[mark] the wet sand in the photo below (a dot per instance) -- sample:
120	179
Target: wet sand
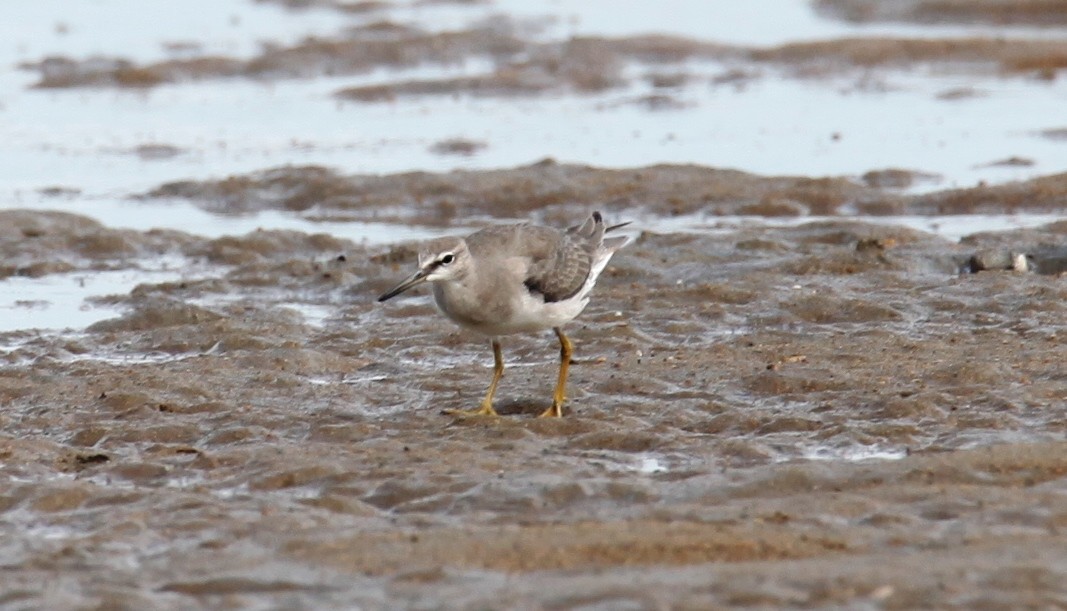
268	432
523	66
550	190
839	413
1047	13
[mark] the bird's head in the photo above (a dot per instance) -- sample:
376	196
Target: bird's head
441	260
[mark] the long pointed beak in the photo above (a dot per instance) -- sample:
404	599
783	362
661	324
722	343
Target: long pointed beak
413	280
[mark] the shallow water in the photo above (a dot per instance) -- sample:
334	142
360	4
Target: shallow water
86	139
786	392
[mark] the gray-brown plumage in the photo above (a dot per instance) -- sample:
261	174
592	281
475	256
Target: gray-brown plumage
516	278
562	272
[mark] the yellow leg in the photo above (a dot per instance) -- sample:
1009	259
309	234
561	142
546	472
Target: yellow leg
566	349
486	409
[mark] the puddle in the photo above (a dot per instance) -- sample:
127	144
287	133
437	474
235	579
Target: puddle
181	215
853	453
953	227
650	465
344	379
58	301
185	482
645	463
313	315
62	301
44	532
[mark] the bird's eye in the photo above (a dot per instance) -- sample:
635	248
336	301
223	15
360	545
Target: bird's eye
449	258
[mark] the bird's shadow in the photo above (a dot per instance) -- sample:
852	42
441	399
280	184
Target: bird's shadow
517	407
521	407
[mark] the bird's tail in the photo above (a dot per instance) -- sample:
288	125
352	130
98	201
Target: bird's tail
593	229
614	243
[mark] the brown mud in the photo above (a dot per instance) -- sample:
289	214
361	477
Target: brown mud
1049	13
522	66
551	189
215	446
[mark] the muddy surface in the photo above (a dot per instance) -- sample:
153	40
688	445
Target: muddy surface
834	413
522	65
993	12
837	413
550	189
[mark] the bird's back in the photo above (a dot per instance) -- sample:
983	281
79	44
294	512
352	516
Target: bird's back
520	240
558	264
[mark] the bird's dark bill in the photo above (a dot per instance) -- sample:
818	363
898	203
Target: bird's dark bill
415	279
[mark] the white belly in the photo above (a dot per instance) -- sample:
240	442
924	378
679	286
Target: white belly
530	314
518	312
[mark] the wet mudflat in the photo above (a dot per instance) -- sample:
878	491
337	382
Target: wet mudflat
828	413
782	395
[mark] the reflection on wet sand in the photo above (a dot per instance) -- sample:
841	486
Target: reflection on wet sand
832	377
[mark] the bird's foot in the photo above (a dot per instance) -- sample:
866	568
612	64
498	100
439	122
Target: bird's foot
556	411
485	410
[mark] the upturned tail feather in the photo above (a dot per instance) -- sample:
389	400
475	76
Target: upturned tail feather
613	244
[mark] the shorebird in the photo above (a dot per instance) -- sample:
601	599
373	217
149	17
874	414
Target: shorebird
518	278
